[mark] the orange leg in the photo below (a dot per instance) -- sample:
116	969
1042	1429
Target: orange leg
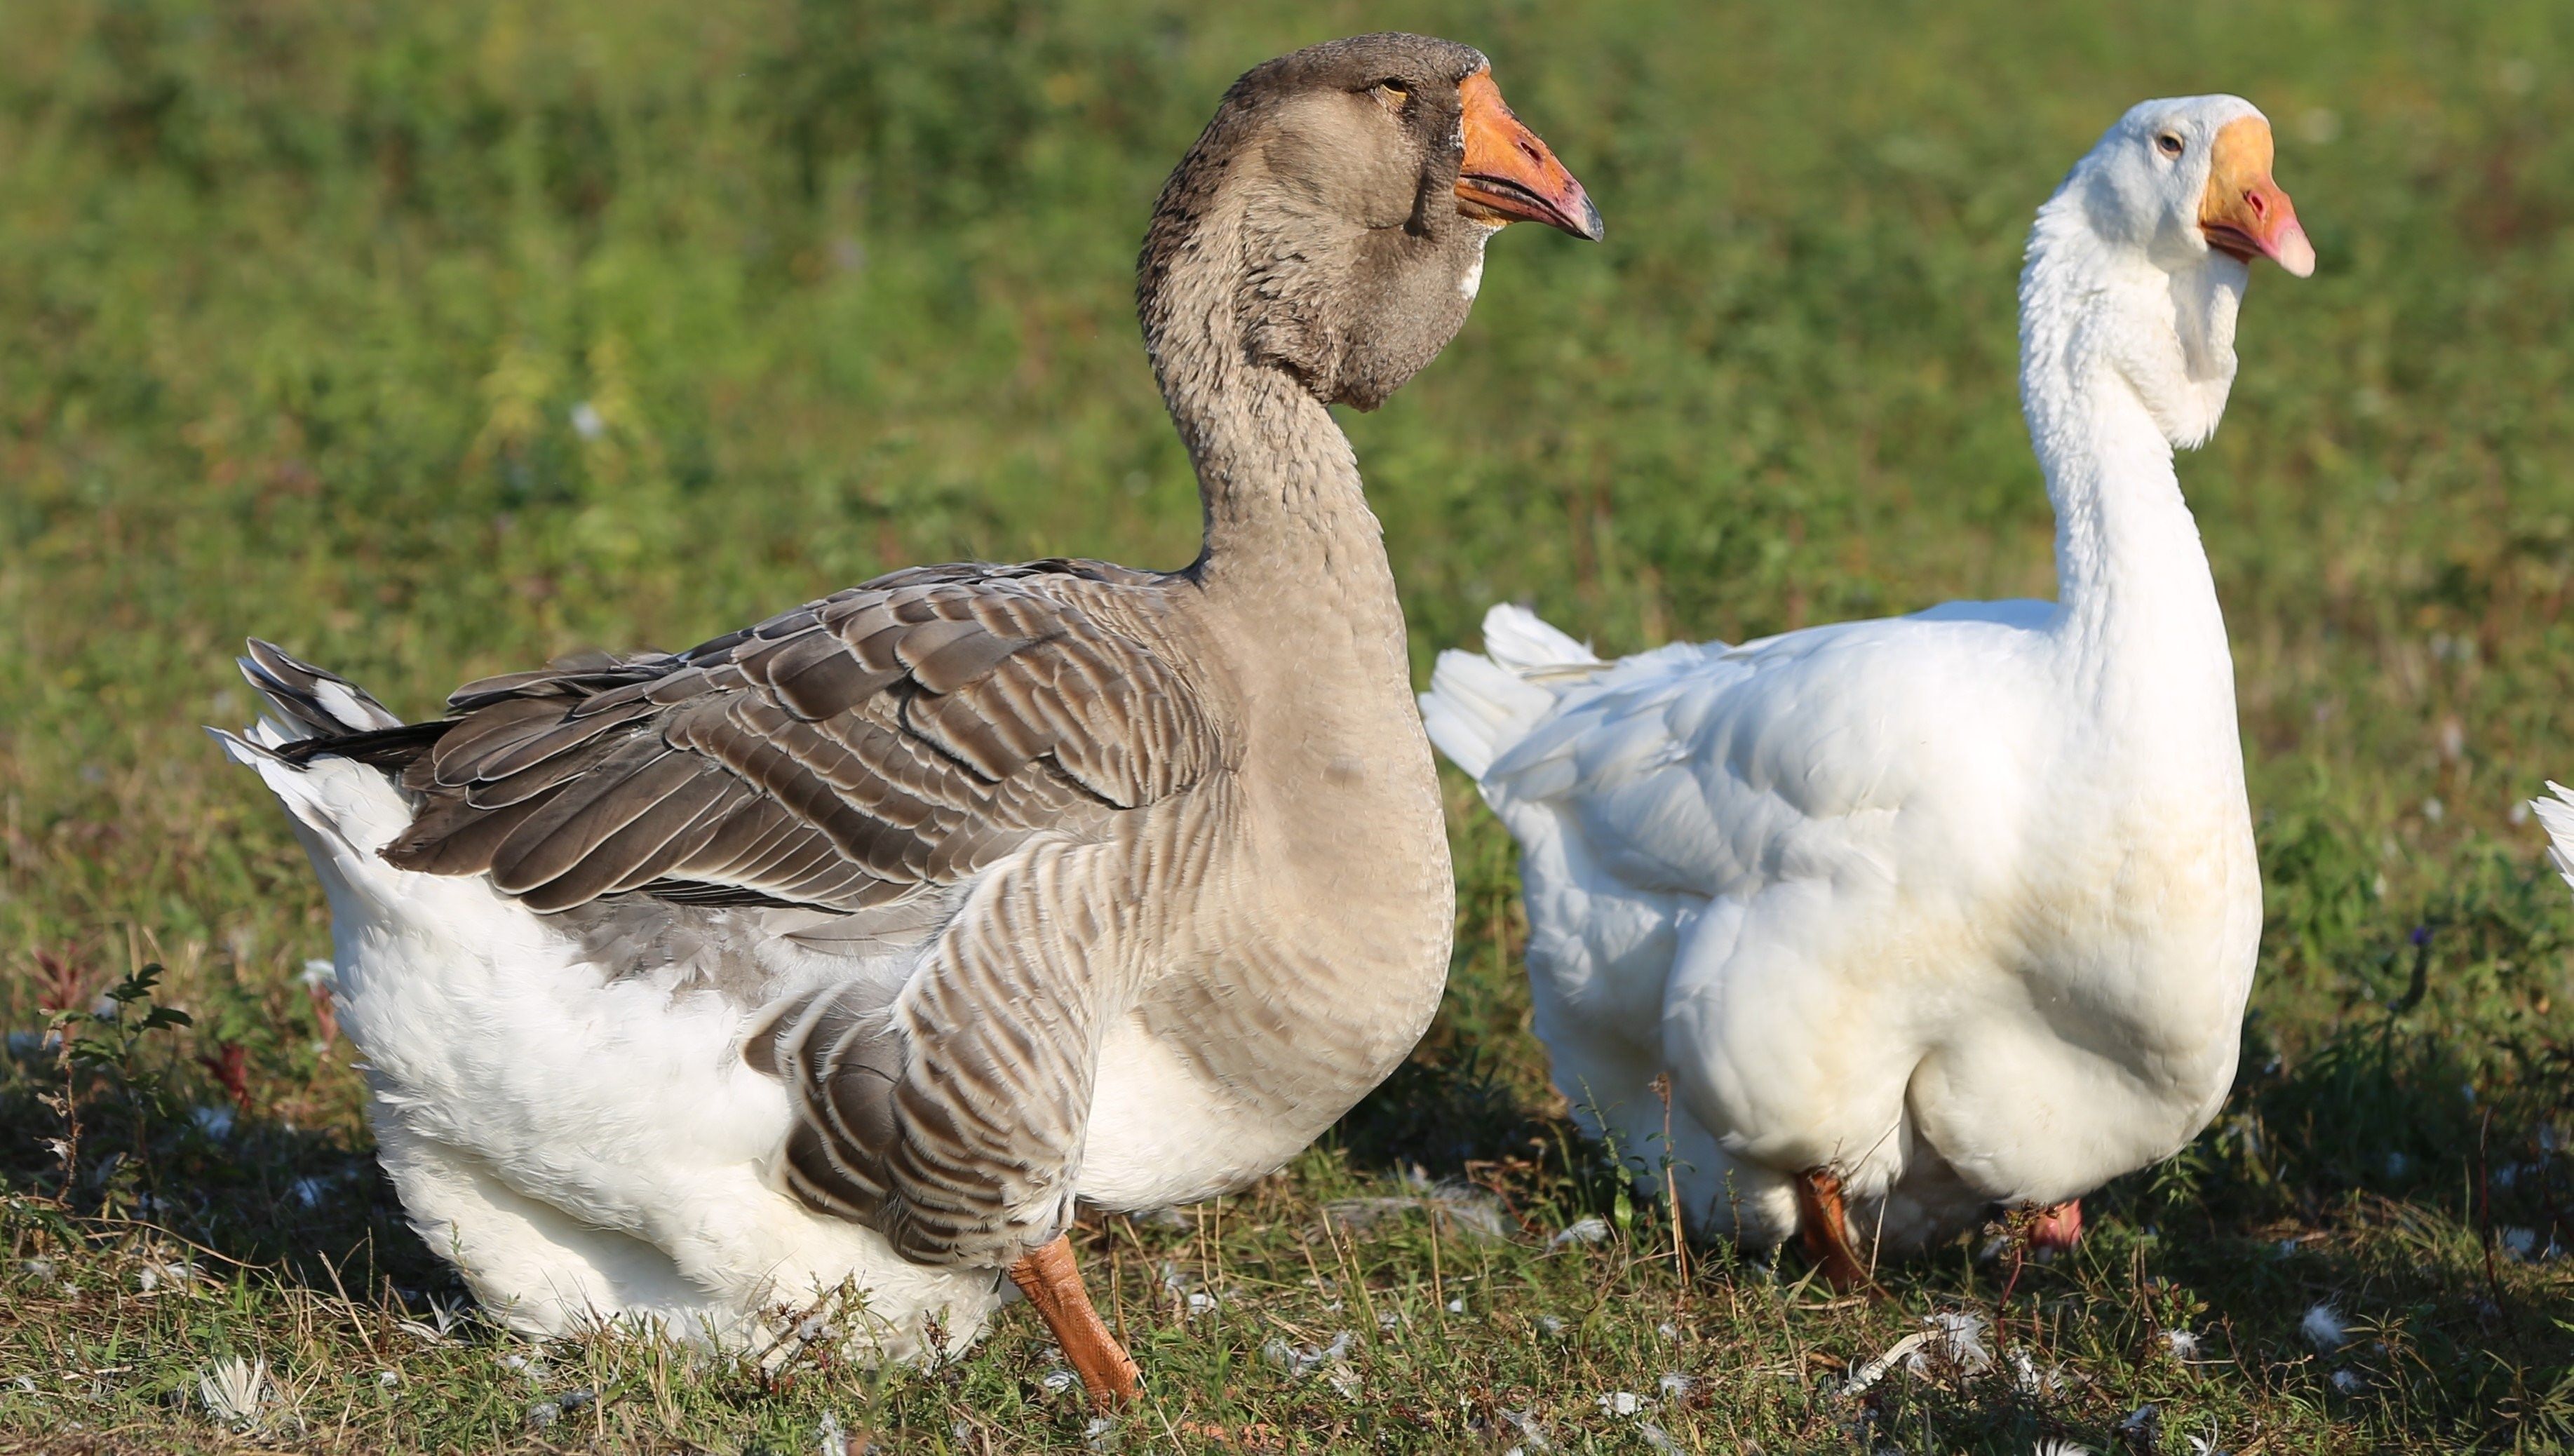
2057	1227
1824	1230
1052	1282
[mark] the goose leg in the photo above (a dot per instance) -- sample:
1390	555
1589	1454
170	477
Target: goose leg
2057	1227
1052	1282
1824	1231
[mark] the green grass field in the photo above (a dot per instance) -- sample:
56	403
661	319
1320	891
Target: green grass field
299	303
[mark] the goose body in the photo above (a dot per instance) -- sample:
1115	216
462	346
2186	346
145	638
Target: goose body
1951	909
843	953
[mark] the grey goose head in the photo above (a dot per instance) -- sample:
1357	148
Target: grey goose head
1359	181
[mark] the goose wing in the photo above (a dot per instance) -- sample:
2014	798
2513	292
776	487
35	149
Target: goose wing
844	755
844	762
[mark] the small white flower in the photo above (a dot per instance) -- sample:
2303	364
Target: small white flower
232	1390
2324	1328
1590	1229
1621	1402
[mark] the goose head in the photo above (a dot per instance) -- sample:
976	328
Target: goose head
1337	209
2152	237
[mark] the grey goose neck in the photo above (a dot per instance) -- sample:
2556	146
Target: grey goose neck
1309	250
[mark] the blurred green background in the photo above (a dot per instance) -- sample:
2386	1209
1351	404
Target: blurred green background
431	341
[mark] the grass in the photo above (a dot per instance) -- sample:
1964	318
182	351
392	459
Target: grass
301	301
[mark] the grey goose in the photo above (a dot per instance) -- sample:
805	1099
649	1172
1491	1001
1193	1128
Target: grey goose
845	952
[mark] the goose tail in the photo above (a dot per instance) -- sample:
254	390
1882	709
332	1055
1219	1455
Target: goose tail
343	810
312	701
2556	813
1481	704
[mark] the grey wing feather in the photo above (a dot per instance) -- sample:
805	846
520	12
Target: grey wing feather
897	735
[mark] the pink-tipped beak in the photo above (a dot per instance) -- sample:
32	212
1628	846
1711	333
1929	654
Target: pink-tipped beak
2245	214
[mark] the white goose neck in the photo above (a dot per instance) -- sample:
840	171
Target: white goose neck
2121	360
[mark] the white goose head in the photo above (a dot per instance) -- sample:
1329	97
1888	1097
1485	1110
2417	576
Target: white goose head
2188	183
2146	243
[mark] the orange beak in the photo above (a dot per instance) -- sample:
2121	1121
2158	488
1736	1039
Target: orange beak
2245	214
1509	174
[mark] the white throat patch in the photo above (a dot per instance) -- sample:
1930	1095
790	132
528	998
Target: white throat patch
1474	278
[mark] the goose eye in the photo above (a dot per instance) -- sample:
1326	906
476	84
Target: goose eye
2170	143
1393	88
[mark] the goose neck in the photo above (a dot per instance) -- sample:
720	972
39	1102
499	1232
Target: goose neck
1285	513
2106	373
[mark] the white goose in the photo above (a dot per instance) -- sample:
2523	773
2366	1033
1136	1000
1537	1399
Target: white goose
1944	910
2556	815
850	948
